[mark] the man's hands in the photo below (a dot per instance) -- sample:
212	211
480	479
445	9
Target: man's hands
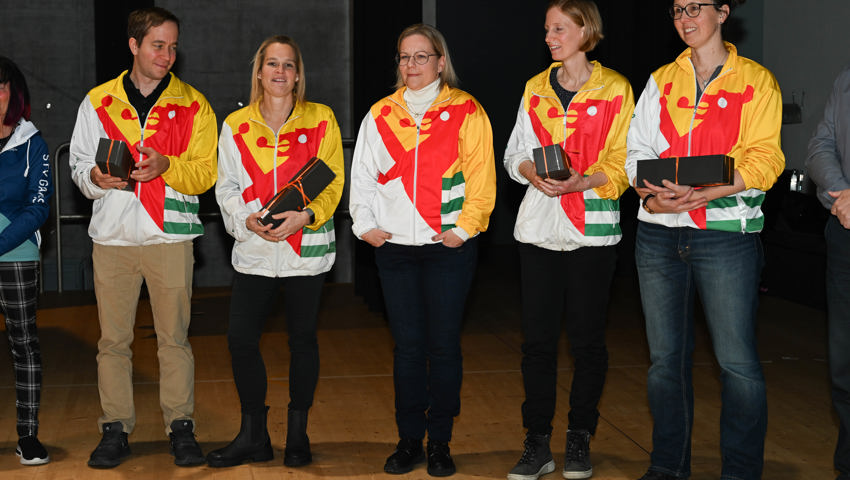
105	181
841	206
152	166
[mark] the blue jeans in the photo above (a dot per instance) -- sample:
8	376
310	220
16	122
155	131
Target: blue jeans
838	316
425	290
673	265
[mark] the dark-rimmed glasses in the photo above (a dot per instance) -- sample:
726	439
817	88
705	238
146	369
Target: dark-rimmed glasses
419	58
692	10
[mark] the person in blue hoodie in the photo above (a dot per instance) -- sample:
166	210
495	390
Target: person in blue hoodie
25	189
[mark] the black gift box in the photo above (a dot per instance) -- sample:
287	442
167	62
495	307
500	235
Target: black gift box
699	171
113	157
304	186
551	162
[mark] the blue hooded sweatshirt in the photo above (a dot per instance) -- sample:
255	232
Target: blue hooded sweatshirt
26	185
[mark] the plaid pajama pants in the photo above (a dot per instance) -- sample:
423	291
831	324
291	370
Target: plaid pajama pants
18	296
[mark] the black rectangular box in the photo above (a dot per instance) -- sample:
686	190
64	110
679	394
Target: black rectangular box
551	162
114	158
304	186
698	171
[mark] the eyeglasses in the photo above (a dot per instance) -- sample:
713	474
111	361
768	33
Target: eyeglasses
691	9
419	58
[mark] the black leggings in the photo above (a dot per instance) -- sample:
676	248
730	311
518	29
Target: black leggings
252	300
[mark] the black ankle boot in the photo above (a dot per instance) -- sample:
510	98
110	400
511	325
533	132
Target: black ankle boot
251	445
297	451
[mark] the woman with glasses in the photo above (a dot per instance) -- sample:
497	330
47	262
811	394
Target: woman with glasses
262	146
709	101
26	184
567	230
423	184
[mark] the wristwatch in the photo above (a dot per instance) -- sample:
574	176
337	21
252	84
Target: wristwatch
313	215
645	206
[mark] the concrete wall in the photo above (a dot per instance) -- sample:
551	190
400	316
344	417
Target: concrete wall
805	47
53	43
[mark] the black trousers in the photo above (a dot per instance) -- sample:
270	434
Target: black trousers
252	300
575	285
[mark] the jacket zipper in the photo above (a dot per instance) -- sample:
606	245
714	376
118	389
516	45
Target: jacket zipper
696	103
564	143
416	159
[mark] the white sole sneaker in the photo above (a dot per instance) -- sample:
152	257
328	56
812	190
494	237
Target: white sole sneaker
31	461
547	468
577	475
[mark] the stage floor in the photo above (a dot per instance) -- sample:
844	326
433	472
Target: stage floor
352	427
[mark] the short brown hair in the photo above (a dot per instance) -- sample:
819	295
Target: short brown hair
585	14
438	42
300	89
143	19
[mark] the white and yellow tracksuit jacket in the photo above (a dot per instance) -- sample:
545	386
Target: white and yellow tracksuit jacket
739	114
592	131
255	163
182	127
417	181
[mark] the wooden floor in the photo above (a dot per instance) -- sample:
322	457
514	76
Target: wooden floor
351	424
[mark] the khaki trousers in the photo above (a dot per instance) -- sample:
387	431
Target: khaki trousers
166	269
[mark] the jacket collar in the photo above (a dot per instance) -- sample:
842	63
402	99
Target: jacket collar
541	85
684	59
115	88
255	115
446	93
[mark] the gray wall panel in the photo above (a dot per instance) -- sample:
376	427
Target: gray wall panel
53	42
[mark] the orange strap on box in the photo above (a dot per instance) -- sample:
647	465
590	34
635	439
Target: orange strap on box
676	175
296	183
108	156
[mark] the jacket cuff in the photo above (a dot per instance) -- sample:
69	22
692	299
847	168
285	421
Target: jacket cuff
461	233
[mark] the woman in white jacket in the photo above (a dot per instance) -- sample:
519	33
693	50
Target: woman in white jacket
567	231
423	186
261	147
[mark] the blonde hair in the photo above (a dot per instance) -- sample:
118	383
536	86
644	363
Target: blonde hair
585	14
260	58
438	42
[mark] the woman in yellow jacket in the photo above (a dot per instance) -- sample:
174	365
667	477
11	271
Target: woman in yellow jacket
261	147
568	230
709	101
423	184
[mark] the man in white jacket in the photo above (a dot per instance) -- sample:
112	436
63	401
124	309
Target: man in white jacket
146	234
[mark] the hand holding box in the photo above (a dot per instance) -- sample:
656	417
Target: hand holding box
113	157
302	189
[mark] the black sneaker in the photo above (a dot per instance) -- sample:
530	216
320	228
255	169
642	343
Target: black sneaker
112	449
653	475
183	446
31	451
577	457
440	463
408	453
536	459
